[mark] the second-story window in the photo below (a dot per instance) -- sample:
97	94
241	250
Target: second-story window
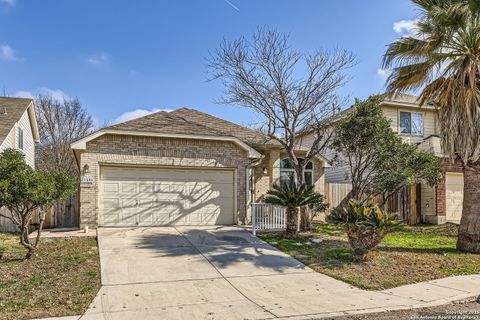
411	123
20	139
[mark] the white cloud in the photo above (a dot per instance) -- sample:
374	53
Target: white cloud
56	94
405	28
98	58
10	3
384	73
7	53
137	113
24	94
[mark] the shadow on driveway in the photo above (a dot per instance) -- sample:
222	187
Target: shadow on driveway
232	251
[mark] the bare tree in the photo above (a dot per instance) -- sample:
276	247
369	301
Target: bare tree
60	123
292	91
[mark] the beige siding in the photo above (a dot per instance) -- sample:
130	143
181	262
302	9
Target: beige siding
428	204
9	141
338	173
429	121
28	143
334	174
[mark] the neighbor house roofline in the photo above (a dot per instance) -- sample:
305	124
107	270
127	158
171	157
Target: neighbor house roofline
82	143
385	102
33	122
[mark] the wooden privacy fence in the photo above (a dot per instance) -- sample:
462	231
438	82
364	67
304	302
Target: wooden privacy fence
64	214
337	193
405	202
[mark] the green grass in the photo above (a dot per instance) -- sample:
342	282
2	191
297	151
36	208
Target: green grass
61	279
413	254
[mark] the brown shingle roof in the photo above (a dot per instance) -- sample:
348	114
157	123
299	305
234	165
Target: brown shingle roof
194	122
11	110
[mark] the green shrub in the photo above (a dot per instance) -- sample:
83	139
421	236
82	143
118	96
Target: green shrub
365	223
293	196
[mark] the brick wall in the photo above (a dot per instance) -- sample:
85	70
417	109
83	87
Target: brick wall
262	179
155	151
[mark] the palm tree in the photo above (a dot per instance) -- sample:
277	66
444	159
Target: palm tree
443	62
293	196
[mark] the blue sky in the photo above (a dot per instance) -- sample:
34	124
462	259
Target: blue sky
119	57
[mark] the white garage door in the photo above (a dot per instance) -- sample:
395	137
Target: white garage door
454	196
134	196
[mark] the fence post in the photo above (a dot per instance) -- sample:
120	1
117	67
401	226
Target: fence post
299	214
253	220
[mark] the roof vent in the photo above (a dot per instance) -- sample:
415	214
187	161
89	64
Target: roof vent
5	111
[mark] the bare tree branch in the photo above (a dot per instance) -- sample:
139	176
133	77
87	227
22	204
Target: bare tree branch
293	92
60	123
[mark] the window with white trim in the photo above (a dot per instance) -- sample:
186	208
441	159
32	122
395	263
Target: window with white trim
411	123
20	139
287	173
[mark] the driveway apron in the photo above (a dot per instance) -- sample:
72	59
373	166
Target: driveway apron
223	273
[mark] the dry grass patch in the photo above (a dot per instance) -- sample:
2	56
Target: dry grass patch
418	253
61	279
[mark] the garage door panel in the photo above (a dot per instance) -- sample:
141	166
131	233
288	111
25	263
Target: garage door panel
110	187
145	219
128	218
454	196
110	203
162	187
149	196
145	187
129	187
110	219
147	202
129	203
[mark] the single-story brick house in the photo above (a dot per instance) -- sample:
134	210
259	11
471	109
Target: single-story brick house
182	167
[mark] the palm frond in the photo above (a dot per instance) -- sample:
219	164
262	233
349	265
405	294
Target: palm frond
444	62
292	195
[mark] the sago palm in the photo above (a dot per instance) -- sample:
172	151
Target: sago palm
442	61
293	196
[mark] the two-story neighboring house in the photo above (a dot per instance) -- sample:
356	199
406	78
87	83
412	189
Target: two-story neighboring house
18	127
18	130
417	125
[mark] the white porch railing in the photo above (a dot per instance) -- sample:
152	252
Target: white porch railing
268	217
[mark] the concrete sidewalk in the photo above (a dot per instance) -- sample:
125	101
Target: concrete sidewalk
226	273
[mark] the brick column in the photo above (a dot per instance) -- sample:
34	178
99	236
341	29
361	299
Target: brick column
275	167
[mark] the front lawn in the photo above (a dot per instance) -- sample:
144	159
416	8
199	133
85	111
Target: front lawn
414	254
61	279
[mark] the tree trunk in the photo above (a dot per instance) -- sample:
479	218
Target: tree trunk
40	227
25	241
305	219
469	231
292	217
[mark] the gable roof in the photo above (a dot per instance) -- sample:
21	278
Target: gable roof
11	110
396	99
193	122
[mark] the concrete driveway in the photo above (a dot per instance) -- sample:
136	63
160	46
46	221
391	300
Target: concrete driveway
226	273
